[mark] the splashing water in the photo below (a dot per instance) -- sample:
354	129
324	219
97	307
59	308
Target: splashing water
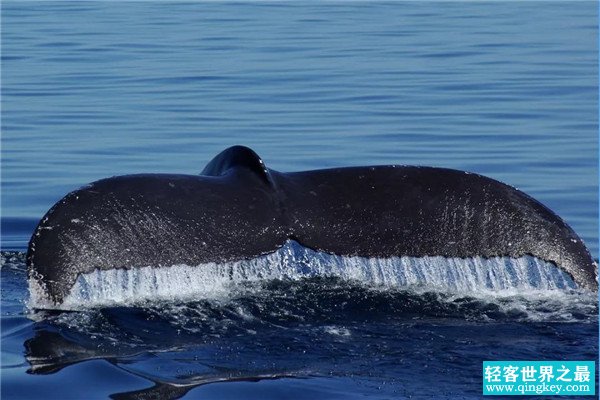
293	262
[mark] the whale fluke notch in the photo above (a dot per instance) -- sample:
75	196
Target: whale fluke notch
227	214
237	157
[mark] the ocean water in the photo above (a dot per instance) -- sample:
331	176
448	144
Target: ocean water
96	89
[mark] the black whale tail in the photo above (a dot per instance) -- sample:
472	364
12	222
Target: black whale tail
236	157
239	209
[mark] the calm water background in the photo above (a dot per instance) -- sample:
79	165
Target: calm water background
93	89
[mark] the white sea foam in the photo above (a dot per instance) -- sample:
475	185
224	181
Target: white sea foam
294	262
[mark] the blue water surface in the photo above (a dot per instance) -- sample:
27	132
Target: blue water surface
96	89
